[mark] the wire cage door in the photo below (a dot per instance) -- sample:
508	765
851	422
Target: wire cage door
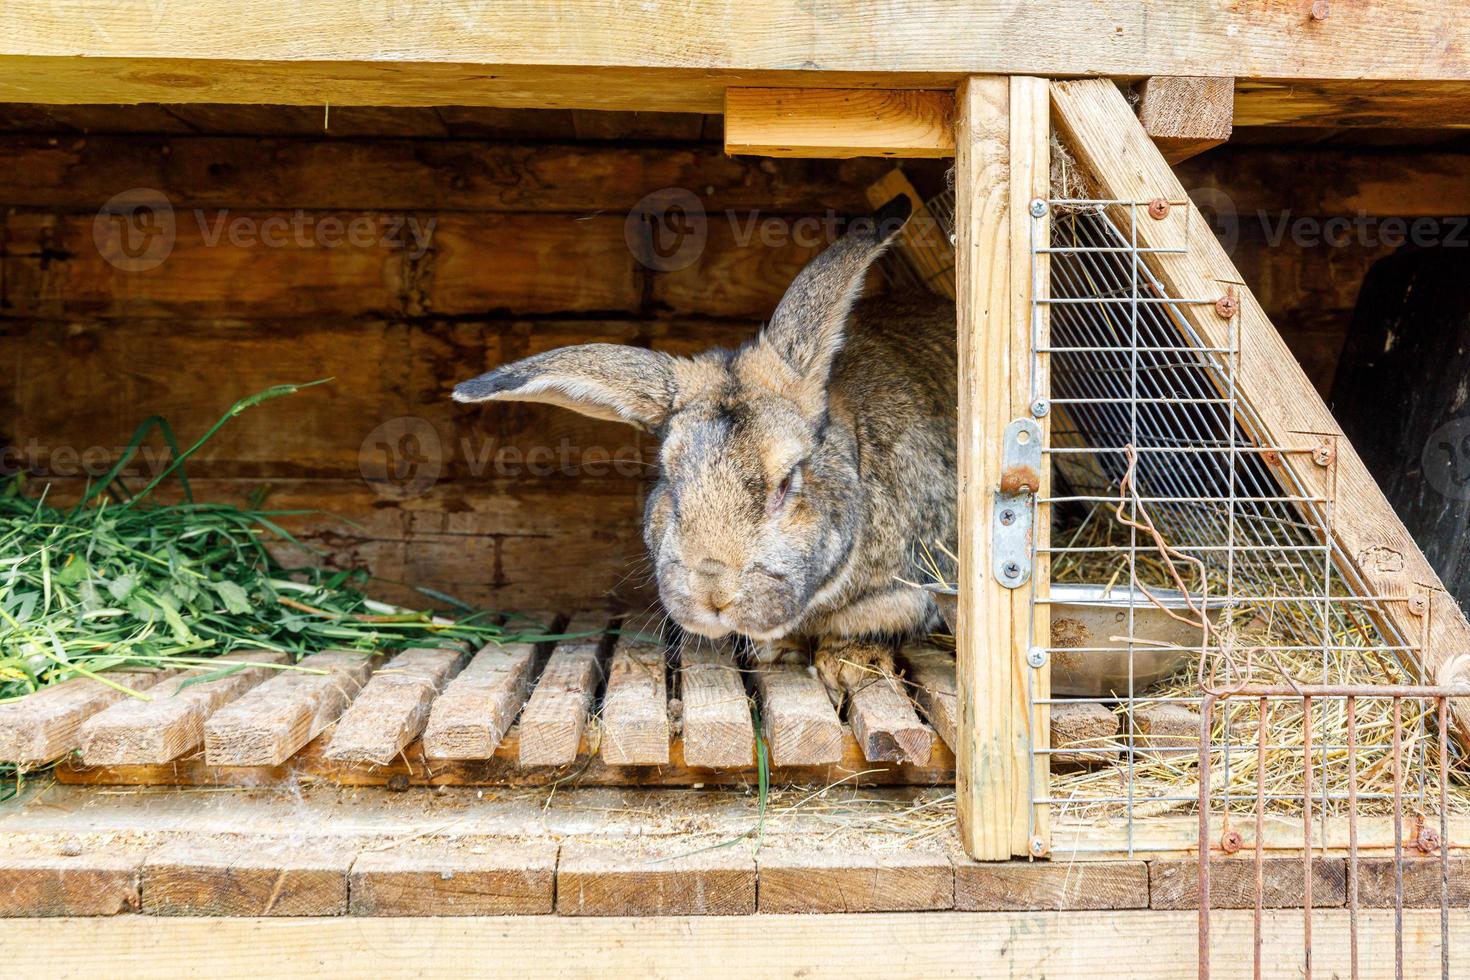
1251	691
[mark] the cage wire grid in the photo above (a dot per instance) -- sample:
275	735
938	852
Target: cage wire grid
1149	431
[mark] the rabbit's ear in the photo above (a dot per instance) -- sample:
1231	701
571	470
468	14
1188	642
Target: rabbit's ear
605	381
808	325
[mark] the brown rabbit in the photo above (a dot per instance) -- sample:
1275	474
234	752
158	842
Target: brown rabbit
800	474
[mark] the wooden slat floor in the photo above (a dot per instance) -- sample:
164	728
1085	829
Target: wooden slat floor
616	708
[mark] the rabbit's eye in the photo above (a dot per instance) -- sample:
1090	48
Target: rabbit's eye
791	484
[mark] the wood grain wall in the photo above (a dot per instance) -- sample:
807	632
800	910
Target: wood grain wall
531	508
527	253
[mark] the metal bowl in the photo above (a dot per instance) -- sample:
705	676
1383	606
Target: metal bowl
1094	619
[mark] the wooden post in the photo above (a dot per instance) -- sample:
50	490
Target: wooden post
1186	114
1000	166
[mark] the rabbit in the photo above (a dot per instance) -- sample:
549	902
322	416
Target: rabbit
799	474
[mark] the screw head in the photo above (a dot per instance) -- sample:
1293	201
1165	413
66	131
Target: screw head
1038	208
1227	306
1007	517
1158	209
1038	846
1036	657
1418	605
1040	407
1321	10
1322	455
1231	842
1427	840
1011	570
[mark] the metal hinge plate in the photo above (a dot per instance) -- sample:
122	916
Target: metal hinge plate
1014	513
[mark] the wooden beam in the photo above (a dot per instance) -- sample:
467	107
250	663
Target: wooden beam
1001	166
393	707
982	634
1382	102
801	726
931	671
605	54
477	708
718	731
249	877
1186	114
990	886
884	722
1108	140
669	877
554	719
272	722
456	877
923	242
804	879
411	768
45	725
635	710
881	944
171	722
838	123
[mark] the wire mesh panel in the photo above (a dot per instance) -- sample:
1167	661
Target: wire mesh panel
1184	558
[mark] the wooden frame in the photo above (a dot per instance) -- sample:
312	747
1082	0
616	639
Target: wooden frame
607	55
1001	165
854	944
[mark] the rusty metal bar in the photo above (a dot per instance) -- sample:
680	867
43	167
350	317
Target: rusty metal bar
1398	839
1307	833
1206	714
1264	706
1443	719
1352	865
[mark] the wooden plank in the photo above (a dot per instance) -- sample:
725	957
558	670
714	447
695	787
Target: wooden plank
884	721
1421	882
1064	944
1186	114
249	876
1107	139
635	712
69	880
326	263
1088	730
838	123
630	877
982	651
931	674
476	709
587	768
810	880
1030	180
718	731
458	877
605	55
45	725
990	886
1375	103
137	732
393	706
799	722
1175	884
923	242
270	723
252	173
555	717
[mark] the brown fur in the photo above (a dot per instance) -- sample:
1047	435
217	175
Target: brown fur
850	408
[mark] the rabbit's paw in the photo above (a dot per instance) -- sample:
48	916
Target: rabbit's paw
846	665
